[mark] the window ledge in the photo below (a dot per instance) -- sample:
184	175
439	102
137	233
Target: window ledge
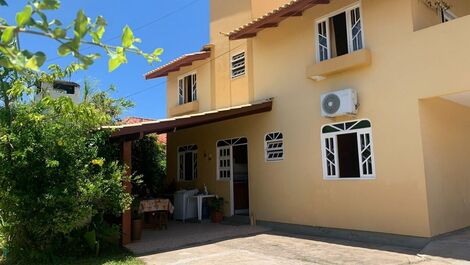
323	70
184	109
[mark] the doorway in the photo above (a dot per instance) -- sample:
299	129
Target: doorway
232	157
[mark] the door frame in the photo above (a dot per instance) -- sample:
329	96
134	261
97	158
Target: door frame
230	146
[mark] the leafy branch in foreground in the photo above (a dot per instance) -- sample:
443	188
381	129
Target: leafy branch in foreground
70	38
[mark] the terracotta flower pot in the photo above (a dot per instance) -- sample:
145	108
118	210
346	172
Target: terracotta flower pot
217	217
136	229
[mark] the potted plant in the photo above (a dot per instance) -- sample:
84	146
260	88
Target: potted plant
137	221
216	206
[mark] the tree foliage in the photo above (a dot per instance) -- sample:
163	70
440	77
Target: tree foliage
149	161
58	172
70	38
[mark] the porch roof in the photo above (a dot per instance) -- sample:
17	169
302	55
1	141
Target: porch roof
188	121
273	18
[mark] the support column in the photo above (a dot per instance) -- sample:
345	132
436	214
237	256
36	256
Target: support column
126	215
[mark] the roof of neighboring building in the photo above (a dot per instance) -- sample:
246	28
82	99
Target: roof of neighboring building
134	120
175	65
273	18
161	138
137	130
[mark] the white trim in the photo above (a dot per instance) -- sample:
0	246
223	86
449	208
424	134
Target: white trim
230	180
282	149
332	136
181	78
178	168
347	10
447	14
244	65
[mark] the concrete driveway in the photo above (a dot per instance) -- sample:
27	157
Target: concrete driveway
277	248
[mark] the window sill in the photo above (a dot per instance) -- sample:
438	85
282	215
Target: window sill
346	179
323	70
184	109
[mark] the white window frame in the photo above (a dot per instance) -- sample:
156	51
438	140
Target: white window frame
181	175
447	15
230	143
182	91
329	143
277	137
325	19
234	60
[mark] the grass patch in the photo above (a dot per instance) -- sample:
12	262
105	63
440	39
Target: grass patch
111	257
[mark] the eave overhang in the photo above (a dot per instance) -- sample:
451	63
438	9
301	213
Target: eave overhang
136	131
273	18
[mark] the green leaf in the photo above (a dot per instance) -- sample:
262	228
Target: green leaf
81	24
49	5
157	52
55	22
3	3
127	37
64	49
115	60
8	35
23	17
59	33
36	61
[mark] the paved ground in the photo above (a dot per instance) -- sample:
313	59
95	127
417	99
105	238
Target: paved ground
275	248
188	234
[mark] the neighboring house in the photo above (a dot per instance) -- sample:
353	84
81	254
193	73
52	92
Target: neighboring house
256	115
60	89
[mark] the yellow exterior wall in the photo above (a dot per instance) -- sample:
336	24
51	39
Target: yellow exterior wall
407	65
446	128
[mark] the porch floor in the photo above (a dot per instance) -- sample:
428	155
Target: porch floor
181	235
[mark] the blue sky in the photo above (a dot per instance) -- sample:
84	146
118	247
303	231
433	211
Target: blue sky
177	26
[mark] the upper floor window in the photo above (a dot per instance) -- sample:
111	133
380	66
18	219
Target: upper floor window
187	163
347	150
187	89
238	65
447	15
274	146
340	33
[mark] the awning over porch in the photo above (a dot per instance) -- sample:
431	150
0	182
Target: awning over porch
188	121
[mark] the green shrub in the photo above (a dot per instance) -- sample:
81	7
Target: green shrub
54	177
149	161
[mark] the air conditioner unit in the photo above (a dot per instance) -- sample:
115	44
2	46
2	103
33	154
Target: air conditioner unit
339	103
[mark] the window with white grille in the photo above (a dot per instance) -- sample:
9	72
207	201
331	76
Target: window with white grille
187	89
187	163
339	33
347	150
274	146
447	15
225	156
238	65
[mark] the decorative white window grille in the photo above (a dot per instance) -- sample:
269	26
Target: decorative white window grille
274	146
447	15
187	163
187	89
323	41
238	65
224	156
339	33
347	150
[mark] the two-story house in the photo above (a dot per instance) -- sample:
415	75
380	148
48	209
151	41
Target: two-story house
257	115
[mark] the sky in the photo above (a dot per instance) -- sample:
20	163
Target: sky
177	26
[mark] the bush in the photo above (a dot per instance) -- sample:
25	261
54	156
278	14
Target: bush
54	177
149	161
